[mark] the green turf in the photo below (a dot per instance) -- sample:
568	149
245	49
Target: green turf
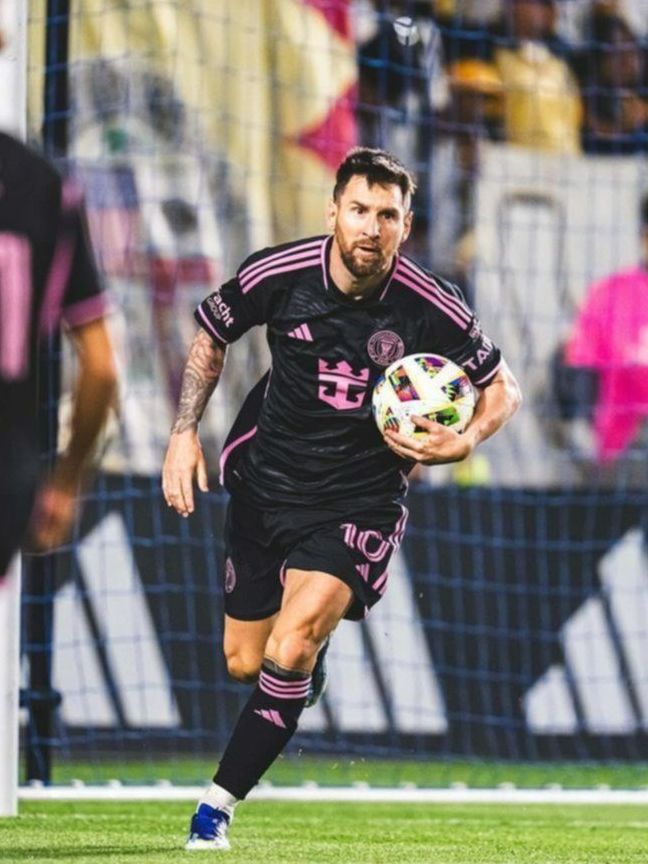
294	770
282	833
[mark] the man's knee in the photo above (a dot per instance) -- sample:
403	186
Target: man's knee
243	667
295	649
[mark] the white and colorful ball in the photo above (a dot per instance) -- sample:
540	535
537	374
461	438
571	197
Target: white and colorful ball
427	385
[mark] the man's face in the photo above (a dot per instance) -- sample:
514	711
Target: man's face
369	224
621	64
531	19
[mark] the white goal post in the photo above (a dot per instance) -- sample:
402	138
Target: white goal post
13	119
9	687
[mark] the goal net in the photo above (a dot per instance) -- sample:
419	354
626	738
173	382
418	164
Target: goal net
514	628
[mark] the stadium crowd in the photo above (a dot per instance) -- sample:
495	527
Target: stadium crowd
436	78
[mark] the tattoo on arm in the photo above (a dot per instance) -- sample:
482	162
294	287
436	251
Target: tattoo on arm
201	374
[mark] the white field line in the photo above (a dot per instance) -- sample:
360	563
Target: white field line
312	792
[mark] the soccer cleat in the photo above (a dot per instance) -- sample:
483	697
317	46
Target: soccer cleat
319	677
208	830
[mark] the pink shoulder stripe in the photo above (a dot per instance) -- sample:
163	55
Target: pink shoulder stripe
282	268
251	269
428	282
285	259
433	298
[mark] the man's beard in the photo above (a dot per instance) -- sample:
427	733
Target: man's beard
357	268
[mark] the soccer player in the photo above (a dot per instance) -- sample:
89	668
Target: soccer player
316	493
47	277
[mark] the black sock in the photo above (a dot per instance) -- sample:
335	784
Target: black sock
266	724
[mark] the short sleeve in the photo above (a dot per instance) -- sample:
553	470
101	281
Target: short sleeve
238	305
478	355
84	299
462	339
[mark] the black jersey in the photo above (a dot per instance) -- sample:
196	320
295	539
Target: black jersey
46	272
309	430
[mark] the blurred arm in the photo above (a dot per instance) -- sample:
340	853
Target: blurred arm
94	392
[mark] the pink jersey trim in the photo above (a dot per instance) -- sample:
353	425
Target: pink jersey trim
426	281
487	377
323	261
226	452
285	268
253	269
85	311
209	326
391	277
56	283
15	305
425	292
283	259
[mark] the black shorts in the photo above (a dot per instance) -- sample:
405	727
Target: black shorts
353	543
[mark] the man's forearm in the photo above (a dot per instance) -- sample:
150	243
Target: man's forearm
94	392
497	404
204	366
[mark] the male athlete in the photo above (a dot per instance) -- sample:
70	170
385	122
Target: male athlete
47	277
316	492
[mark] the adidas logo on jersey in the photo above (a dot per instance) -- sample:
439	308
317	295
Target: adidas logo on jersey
302	332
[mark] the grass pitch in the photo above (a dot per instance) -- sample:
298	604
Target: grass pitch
343	770
289	833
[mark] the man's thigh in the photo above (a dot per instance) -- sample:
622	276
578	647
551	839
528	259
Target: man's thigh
313	604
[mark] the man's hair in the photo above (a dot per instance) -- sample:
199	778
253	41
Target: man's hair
378	166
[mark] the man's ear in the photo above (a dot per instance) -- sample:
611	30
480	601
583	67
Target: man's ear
331	214
409	216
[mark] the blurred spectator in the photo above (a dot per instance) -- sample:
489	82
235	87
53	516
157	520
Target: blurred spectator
474	113
613	84
466	26
607	354
542	107
401	85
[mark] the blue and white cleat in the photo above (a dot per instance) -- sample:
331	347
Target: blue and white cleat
319	676
208	830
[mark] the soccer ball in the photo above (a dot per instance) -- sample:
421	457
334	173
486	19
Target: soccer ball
428	385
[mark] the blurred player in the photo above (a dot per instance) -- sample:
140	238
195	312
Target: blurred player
607	353
47	277
316	494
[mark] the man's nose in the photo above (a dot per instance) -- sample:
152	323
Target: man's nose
371	226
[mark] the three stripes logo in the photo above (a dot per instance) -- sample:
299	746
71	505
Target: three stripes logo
271	716
302	332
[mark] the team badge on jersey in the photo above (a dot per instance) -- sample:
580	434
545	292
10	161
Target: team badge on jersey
384	347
